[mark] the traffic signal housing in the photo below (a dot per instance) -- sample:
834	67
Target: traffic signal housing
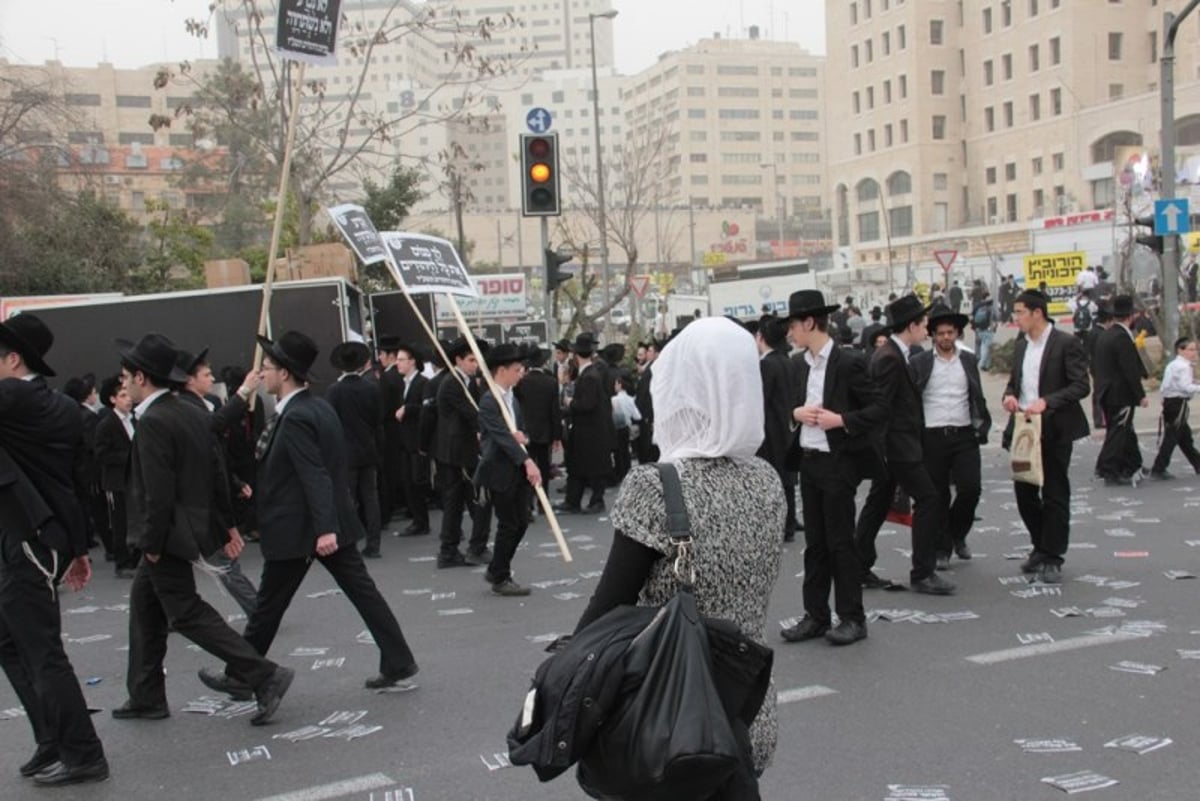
1150	240
555	276
539	176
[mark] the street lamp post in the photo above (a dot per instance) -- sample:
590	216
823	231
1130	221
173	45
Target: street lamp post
599	158
778	196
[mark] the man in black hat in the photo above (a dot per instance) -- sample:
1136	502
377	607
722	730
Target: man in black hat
43	541
776	371
866	340
414	466
538	394
391	494
647	451
427	429
114	439
593	434
956	424
1103	322
1049	377
173	470
838	411
307	514
359	406
505	469
1119	373
903	452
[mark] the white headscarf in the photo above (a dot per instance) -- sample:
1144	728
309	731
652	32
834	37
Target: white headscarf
707	393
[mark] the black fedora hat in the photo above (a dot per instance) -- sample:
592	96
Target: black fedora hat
294	352
31	338
348	357
809	303
941	313
585	344
1122	306
154	355
535	356
613	352
504	354
388	344
563	345
904	311
188	363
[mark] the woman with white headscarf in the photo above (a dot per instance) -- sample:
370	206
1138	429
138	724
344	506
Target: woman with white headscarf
708	410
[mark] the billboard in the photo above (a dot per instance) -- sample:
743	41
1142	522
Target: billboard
1058	272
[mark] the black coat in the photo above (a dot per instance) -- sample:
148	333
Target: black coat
112	446
538	394
303	482
642	398
240	429
1062	382
90	471
174	474
359	406
41	433
457	427
228	484
921	367
413	403
500	457
392	385
427	431
851	393
593	435
777	384
1118	369
906	411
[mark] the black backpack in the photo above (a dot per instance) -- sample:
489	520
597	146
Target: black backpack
1082	319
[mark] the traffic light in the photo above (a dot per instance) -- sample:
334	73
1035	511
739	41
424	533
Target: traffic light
1150	240
554	276
539	175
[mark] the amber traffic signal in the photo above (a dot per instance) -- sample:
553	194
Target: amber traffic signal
539	175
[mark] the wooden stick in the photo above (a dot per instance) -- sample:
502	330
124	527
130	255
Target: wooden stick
276	232
540	489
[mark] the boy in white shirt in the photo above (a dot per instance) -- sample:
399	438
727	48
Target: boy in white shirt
1178	387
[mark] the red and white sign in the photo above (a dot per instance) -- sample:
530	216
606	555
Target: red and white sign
946	259
1083	218
500	297
639	284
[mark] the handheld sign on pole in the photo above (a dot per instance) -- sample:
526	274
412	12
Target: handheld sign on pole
306	30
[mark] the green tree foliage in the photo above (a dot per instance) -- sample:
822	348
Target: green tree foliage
388	205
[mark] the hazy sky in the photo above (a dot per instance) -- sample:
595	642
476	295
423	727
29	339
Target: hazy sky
134	33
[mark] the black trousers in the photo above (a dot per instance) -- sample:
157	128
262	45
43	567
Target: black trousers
280	580
163	597
33	658
97	512
512	519
540	453
622	460
364	486
1046	510
391	493
1119	456
457	496
414	481
927	525
829	554
789	495
577	484
125	557
1176	431
952	457
647	451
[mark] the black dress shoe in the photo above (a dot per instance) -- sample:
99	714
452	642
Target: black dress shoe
413	531
934	585
371	553
61	775
43	757
871	581
566	509
454	560
789	536
846	632
509	589
477	558
1049	573
1032	564
807	629
383	681
222	682
130	711
595	507
270	694
962	550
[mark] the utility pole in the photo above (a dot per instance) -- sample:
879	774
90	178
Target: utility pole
1170	255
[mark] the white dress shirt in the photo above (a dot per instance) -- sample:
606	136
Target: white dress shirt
141	408
1031	368
286	399
904	349
947	397
1178	379
814	437
126	421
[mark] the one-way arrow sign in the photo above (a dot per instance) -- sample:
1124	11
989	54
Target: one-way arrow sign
1171	217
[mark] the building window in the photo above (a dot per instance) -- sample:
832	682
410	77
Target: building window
887	91
870	97
1010	207
901	40
1037	165
935	31
868	51
854	101
903	132
697	136
133	101
1115	91
82	100
1039	203
1035	107
941	181
736	69
899	183
1010	171
939	126
1055	51
698	158
900	221
992	209
987	20
867	190
696	114
903	87
871	141
989	119
1033	8
989	73
854	13
1008	114
1005	14
868	227
1058	161
937	82
887	135
990	175
885	42
853	55
135	138
1114	46
858	144
1035	60
1056	102
1006	66
695	91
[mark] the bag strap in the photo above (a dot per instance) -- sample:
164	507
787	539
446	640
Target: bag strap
679	526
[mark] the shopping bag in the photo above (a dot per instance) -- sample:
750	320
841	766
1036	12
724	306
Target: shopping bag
901	509
1027	449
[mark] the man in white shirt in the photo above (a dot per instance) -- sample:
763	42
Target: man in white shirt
1178	387
956	423
1087	280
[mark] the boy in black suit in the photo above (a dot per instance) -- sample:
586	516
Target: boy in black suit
114	439
414	466
359	405
538	394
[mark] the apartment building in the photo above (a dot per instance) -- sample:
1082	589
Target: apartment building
990	115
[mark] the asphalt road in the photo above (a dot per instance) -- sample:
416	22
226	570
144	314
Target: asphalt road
920	704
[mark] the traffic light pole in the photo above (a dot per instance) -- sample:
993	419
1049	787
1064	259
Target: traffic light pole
548	294
1170	255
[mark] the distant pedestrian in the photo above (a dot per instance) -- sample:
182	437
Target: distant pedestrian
1119	374
1178	387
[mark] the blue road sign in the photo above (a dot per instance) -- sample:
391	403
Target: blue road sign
1172	217
539	120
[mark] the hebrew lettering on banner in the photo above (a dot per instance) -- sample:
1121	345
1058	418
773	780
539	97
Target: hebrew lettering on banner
306	30
1058	271
359	232
427	264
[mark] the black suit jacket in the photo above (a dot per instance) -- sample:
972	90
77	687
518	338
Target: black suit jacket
641	396
174	479
906	411
391	383
457	441
538	394
1062	382
776	370
850	392
112	446
500	457
921	367
303	482
41	434
359	405
427	432
413	403
593	434
1118	369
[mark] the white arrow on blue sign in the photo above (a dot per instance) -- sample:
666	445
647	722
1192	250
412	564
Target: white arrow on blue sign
539	120
1172	217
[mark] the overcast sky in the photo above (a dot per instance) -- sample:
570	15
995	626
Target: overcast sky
134	33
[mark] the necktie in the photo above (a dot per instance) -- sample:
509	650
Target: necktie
264	439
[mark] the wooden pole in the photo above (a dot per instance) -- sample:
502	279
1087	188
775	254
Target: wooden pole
280	206
540	489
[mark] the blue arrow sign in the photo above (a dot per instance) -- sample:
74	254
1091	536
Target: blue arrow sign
1172	217
539	120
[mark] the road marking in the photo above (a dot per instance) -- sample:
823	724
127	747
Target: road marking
804	693
1038	649
373	781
